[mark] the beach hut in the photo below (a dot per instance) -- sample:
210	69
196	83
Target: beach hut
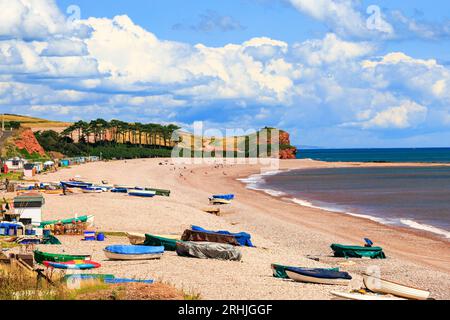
29	170
15	163
29	206
64	163
48	165
39	166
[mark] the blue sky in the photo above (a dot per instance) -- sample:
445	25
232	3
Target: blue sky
334	73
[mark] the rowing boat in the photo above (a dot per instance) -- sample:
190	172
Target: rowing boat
208	250
202	236
224	196
88	219
345	251
75	184
168	242
40	257
130	252
378	285
92	190
279	270
320	276
142	193
159	192
136	238
363	296
72	265
219	201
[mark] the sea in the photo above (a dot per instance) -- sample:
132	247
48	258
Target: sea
411	196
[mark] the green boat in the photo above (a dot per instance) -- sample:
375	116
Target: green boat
40	257
89	219
344	251
159	192
279	271
168	244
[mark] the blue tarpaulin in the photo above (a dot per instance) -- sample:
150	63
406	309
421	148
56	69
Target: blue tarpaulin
243	238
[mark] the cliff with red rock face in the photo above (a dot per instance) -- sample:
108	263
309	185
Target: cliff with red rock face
25	140
287	151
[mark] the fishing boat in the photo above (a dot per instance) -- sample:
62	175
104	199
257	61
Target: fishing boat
224	196
363	296
320	276
88	219
141	193
168	242
378	285
72	265
279	270
136	238
208	250
219	201
76	184
345	251
92	190
40	257
130	252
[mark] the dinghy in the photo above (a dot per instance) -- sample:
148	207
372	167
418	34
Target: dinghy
72	265
363	296
378	285
159	192
243	238
219	201
168	242
40	257
224	196
76	184
119	190
320	276
208	250
279	270
88	219
201	236
130	252
92	190
345	251
142	193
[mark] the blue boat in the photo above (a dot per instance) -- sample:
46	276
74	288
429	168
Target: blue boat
243	238
321	276
224	196
75	184
119	281
119	190
131	252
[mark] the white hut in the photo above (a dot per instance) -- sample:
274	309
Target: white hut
29	206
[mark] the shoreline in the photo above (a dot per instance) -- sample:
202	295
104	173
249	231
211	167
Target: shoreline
253	182
283	232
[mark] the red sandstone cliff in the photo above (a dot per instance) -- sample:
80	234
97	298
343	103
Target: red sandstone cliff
26	140
287	151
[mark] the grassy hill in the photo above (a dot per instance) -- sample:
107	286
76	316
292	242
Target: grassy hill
32	122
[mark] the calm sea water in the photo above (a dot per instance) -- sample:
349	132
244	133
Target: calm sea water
429	155
416	197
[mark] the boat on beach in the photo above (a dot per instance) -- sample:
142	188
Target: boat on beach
346	251
379	285
136	238
132	252
168	242
40	257
202	236
72	265
279	270
88	219
208	250
215	201
224	196
141	193
319	276
76	184
363	296
92	190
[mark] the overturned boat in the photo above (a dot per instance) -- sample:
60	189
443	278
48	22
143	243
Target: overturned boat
319	276
208	250
379	285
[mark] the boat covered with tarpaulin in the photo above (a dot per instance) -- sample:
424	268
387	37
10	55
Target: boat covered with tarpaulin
243	238
208	250
224	196
132	252
202	236
345	251
169	244
320	276
88	219
279	270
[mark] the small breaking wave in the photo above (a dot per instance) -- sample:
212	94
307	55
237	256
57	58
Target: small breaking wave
425	227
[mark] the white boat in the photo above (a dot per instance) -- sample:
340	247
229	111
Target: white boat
121	256
313	276
378	285
361	296
219	201
92	190
142	193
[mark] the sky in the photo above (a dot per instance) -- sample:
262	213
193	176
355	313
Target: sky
333	73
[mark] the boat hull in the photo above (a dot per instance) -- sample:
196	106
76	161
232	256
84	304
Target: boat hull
142	194
308	279
121	256
136	238
360	296
379	285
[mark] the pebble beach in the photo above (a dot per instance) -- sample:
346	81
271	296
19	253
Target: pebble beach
283	232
